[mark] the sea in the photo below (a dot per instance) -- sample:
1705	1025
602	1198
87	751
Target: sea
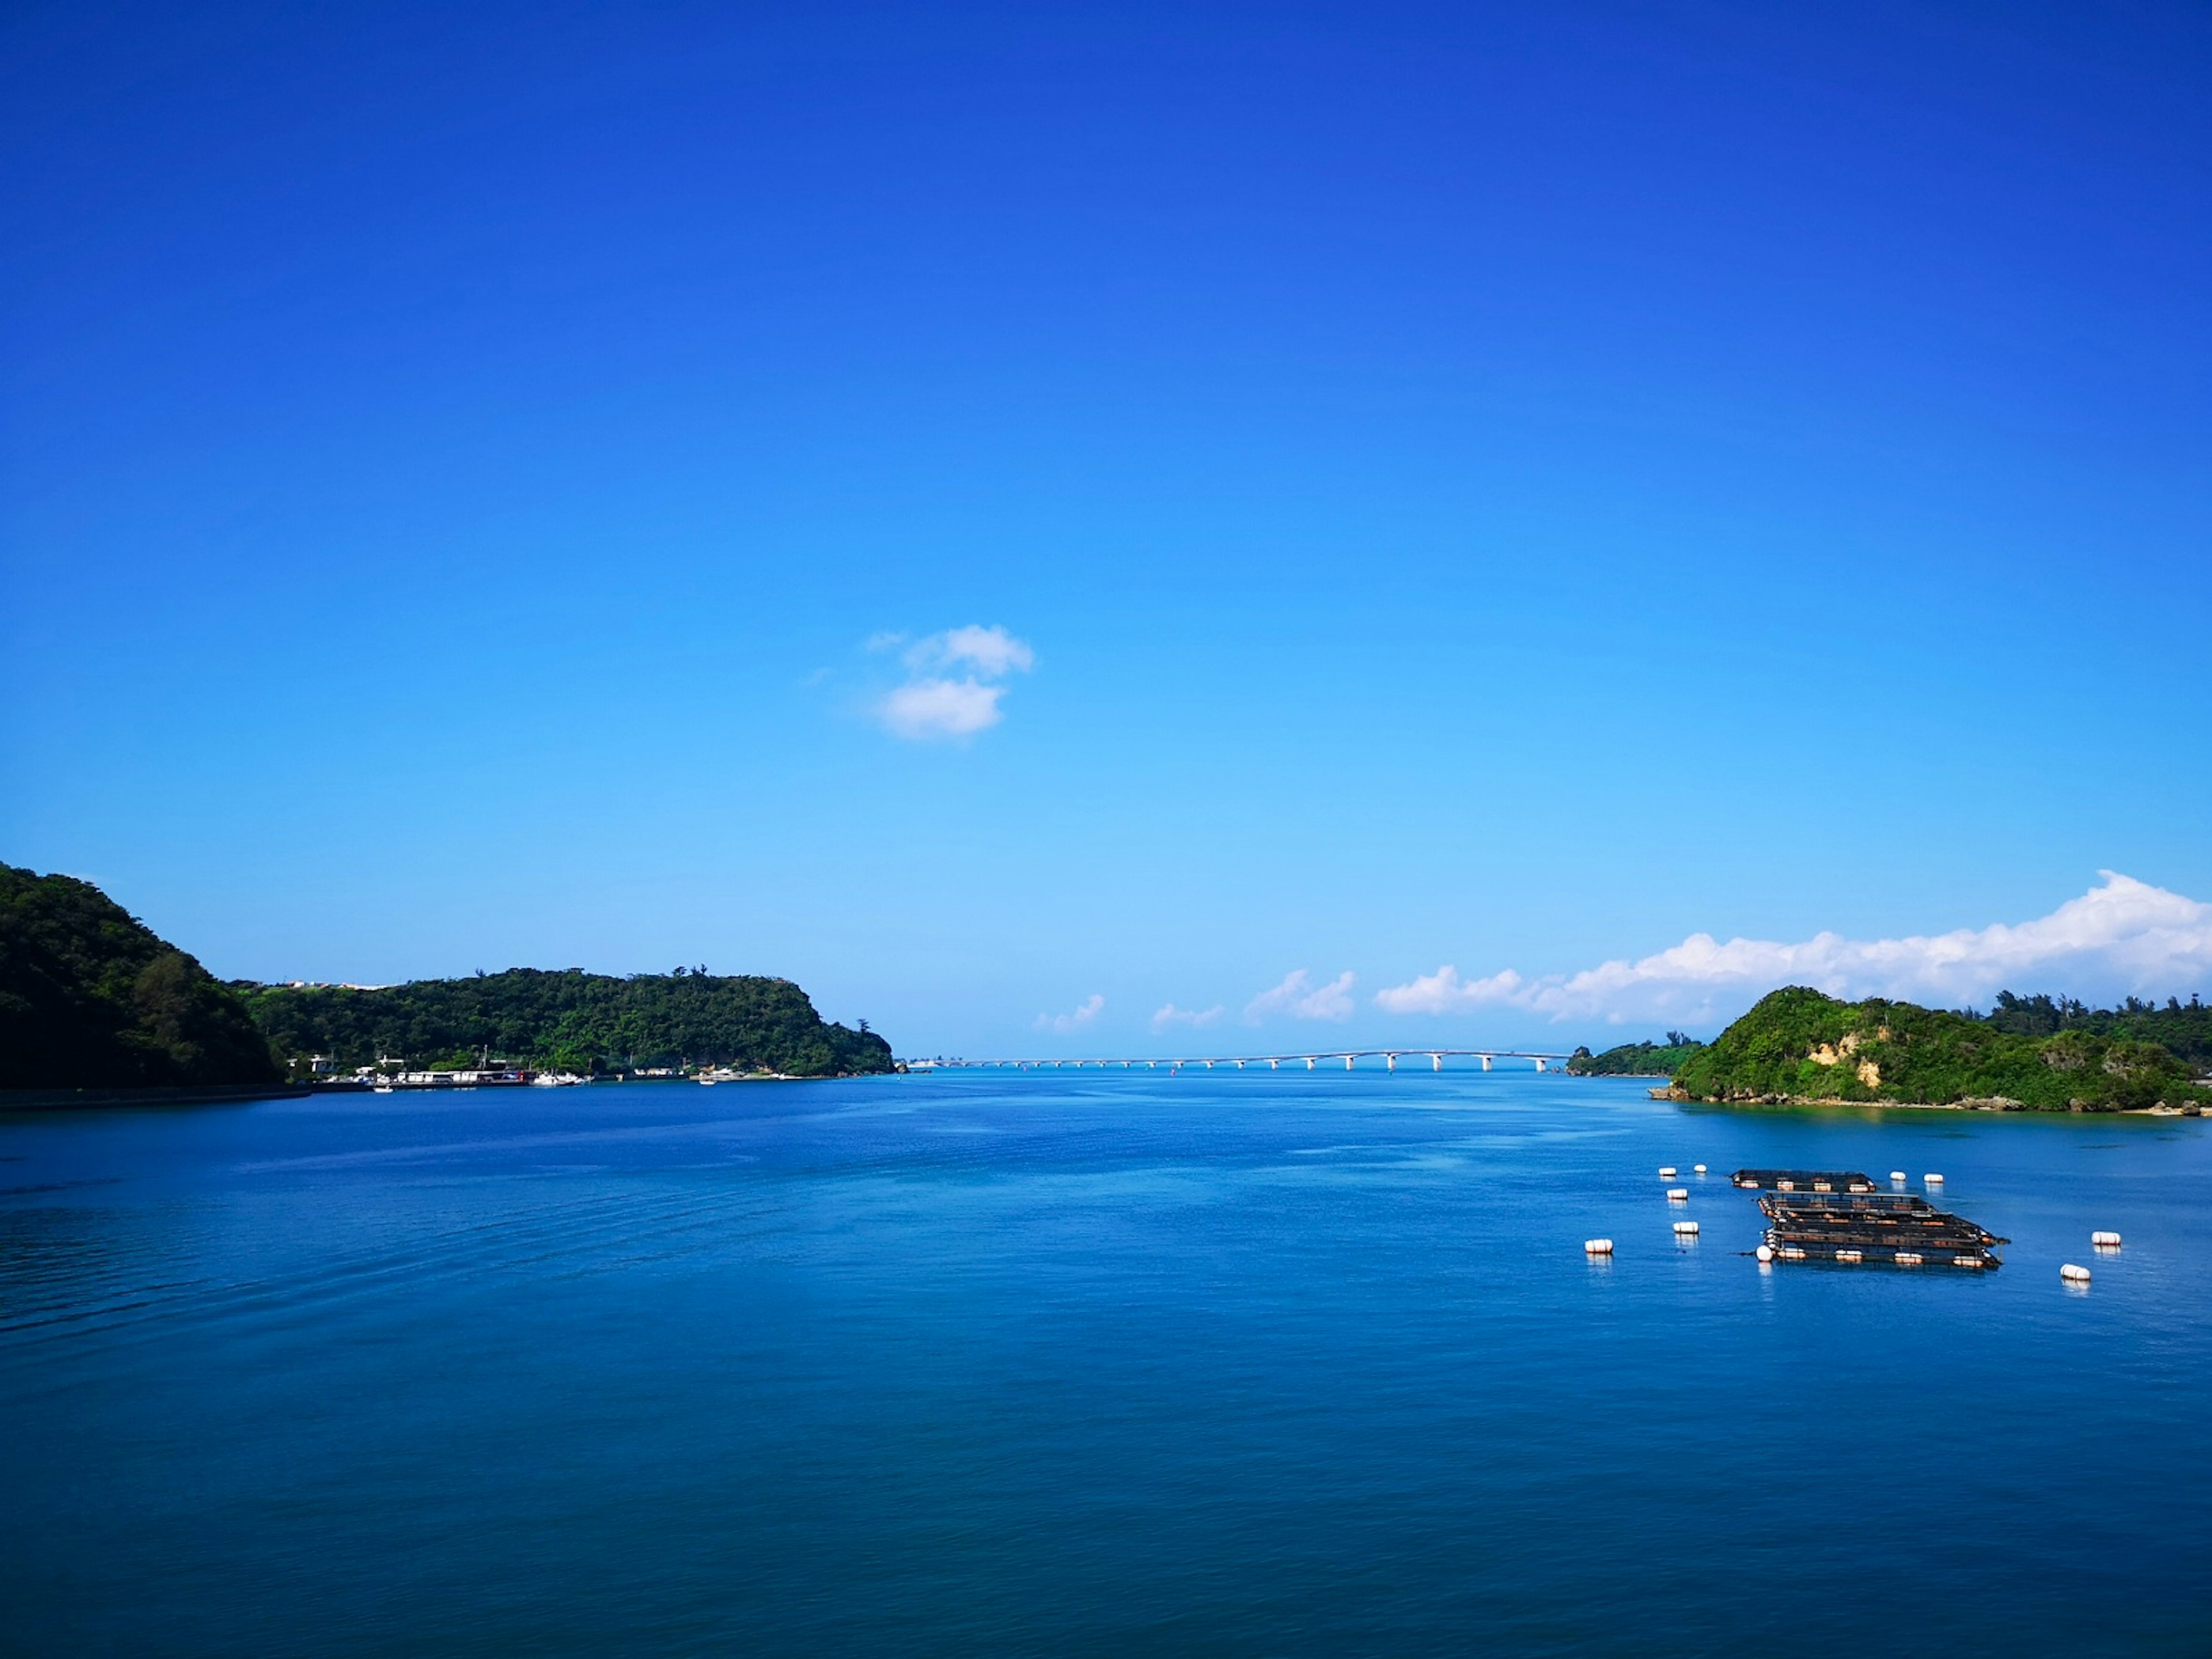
1084	1362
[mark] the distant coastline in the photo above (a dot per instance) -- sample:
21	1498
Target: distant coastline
1799	1047
95	1008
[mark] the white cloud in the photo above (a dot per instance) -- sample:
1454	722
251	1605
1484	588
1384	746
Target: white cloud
1298	996
943	708
2122	936
1085	1013
938	701
1171	1015
991	652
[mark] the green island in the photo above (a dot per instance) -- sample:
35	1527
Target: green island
566	1020
1798	1046
1645	1059
92	999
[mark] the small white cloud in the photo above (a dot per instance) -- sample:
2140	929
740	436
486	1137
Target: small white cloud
992	652
1085	1013
1443	991
943	708
1300	998
1171	1015
2124	936
938	701
885	640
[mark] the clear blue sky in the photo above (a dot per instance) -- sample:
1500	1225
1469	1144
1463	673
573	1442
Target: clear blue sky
1498	486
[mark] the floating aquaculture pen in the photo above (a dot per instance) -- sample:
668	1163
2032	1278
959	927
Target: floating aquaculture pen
1821	1215
1804	1180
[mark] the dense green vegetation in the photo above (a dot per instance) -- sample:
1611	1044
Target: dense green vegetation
91	997
1797	1044
2184	1028
569	1020
1645	1059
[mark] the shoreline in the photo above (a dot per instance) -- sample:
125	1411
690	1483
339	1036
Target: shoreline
1999	1109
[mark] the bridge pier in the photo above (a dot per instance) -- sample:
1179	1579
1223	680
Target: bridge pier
1436	1063
1347	1062
1485	1062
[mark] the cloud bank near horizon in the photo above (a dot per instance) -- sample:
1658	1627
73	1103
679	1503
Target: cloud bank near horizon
1171	1015
1082	1015
1300	998
2123	936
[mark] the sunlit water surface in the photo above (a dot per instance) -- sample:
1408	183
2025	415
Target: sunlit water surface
1085	1364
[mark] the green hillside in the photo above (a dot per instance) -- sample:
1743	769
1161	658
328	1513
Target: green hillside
2185	1028
1645	1059
570	1020
90	997
1797	1044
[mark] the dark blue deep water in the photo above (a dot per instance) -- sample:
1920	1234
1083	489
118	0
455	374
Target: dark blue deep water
1085	1364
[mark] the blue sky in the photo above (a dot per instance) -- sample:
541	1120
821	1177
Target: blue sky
1503	488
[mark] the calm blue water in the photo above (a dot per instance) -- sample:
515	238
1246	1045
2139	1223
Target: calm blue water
1083	1364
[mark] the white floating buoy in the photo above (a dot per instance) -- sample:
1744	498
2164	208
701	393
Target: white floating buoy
1666	1172
1907	1259
1598	1246
2105	1241
1765	1253
1791	1252
1678	1195
1849	1256
1897	1175
1698	1168
2074	1275
1968	1261
1687	1228
1933	1180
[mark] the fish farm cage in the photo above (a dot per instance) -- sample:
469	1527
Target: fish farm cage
1825	1215
1804	1180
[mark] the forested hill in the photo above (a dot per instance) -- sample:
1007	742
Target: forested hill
90	997
2183	1027
1797	1044
570	1020
1645	1059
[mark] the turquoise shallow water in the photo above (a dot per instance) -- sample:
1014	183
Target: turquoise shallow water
1078	1364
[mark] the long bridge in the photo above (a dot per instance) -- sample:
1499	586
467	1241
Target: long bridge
1351	1057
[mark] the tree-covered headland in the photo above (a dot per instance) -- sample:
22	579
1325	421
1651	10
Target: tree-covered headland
1644	1059
1798	1045
568	1020
91	997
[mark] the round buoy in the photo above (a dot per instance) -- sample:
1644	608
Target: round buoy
1678	1195
1666	1172
1765	1253
2105	1241
2073	1274
1933	1180
1598	1246
1687	1228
